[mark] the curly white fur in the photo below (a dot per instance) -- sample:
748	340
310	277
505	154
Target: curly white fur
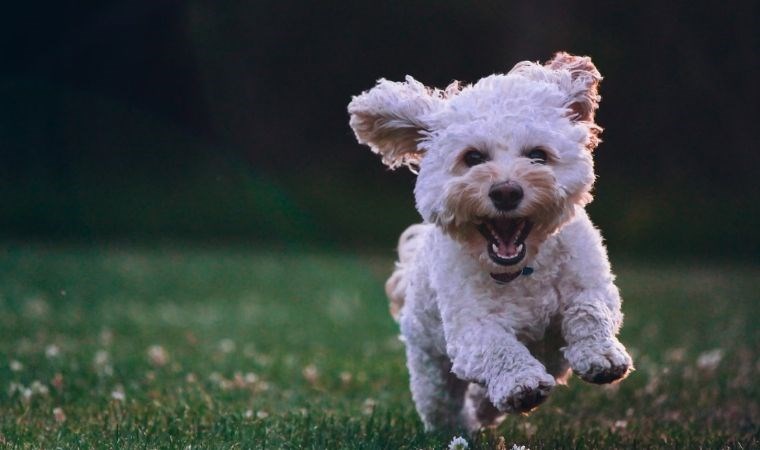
481	339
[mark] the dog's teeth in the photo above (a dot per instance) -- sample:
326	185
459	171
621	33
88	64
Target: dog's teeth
495	248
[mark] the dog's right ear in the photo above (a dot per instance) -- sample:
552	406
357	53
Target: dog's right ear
584	91
391	119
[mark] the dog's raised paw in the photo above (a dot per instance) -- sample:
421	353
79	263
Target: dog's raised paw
607	375
525	399
599	362
525	394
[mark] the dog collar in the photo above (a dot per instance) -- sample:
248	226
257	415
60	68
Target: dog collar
506	278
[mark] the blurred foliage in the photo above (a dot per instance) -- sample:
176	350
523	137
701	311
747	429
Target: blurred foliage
226	120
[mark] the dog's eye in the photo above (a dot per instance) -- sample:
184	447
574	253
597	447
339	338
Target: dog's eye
474	157
537	155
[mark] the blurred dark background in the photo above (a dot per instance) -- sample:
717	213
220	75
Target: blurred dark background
226	120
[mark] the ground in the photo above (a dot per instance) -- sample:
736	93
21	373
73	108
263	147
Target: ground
221	346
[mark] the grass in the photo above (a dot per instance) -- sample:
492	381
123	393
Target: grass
171	347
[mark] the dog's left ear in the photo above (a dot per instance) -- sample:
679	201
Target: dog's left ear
583	91
391	119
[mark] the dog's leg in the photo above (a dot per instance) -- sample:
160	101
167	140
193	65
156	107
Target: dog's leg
478	410
589	327
438	394
484	352
590	310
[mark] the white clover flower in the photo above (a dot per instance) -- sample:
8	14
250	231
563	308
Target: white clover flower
251	378
102	363
227	345
52	351
39	388
311	373
519	447
118	395
101	358
709	361
16	366
368	407
59	415
458	443
215	377
157	355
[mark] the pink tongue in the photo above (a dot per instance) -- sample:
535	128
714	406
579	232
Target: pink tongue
507	248
506	241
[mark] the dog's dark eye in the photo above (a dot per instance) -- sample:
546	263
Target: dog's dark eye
474	157
537	155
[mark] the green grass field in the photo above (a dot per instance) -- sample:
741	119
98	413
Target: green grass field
176	346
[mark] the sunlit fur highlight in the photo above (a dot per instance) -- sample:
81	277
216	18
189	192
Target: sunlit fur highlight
408	245
388	118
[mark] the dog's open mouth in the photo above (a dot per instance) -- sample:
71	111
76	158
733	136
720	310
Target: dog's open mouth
505	239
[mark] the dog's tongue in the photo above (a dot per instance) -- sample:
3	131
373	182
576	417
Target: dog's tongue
507	232
507	248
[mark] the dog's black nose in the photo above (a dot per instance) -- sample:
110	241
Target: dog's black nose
506	196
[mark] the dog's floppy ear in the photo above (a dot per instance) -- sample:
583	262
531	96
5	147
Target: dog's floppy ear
390	118
583	92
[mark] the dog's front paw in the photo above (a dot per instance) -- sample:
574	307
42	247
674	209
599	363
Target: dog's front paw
522	393
599	361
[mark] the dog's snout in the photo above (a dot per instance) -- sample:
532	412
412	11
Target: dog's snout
506	196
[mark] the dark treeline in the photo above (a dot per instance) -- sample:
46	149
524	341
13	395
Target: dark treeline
227	118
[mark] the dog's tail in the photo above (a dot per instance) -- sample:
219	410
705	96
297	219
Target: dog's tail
408	244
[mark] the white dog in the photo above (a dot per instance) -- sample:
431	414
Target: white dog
506	285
